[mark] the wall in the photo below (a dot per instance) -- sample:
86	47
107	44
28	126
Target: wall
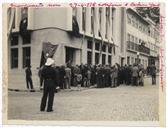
53	17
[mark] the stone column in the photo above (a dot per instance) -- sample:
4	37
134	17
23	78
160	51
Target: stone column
79	18
30	18
88	20
96	24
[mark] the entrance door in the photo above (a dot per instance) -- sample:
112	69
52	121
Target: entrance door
70	55
122	61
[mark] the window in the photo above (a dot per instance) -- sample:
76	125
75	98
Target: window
83	18
133	21
143	28
128	37
14	40
96	58
136	40
140	41
136	47
27	39
140	26
149	31
89	44
143	61
132	60
128	60
128	44
133	46
14	58
110	49
103	59
132	38
89	57
154	47
104	48
129	18
97	46
136	60
26	56
109	59
137	23
148	44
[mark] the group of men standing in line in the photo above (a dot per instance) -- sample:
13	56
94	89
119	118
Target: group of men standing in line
100	75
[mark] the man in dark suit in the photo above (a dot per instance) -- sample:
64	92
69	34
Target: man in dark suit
48	73
62	77
153	74
28	78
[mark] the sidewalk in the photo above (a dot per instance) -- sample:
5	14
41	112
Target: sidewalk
37	89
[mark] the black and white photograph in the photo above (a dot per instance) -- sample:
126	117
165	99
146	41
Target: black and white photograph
83	62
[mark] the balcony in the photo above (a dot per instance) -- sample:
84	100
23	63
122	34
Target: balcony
138	48
144	49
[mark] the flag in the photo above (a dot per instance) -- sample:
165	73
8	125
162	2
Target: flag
23	27
11	15
109	15
107	19
100	11
101	46
48	50
75	27
43	60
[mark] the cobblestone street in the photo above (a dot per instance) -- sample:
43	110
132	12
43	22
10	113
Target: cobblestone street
124	103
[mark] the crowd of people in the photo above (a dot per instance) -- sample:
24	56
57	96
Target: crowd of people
98	75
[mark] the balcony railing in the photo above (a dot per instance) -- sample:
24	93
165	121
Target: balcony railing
144	49
136	47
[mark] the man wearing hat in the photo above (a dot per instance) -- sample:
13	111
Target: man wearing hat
48	73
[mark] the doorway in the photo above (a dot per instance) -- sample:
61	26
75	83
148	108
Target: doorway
122	61
70	53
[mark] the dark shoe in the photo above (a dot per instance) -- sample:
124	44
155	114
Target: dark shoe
42	110
50	110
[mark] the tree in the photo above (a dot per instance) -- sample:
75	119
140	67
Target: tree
152	13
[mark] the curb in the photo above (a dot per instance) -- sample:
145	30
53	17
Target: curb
19	90
62	90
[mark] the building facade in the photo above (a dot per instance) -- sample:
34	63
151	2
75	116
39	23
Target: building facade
99	42
142	39
105	35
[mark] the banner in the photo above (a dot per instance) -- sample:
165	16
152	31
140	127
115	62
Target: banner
11	14
75	27
48	49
